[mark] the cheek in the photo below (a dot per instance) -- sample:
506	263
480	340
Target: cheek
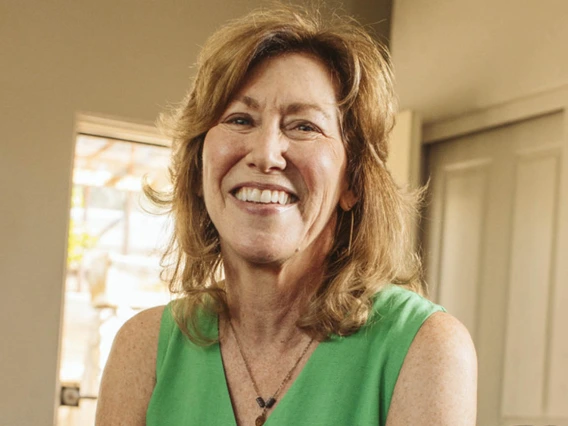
207	165
220	153
325	170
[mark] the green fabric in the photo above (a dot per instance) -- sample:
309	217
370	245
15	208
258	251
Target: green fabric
346	381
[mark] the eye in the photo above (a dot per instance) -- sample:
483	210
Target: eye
238	120
307	127
302	130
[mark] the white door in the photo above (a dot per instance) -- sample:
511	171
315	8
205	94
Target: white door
491	241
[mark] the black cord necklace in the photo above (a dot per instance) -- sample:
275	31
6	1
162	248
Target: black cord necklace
269	403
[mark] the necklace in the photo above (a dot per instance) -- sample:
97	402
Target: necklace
269	403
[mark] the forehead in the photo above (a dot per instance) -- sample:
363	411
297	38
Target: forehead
290	76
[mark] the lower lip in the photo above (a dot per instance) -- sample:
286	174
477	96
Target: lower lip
260	208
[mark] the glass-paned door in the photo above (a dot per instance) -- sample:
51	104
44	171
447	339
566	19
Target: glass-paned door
113	260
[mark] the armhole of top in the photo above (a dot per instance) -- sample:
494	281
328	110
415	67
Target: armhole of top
416	318
167	325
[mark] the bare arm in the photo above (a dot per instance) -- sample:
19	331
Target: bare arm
437	385
130	373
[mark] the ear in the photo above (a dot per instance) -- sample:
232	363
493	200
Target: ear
347	200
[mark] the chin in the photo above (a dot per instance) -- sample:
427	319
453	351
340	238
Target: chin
267	257
265	253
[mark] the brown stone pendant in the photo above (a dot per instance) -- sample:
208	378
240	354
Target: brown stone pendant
260	420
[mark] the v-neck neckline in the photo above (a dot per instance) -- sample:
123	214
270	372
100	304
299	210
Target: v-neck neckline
283	398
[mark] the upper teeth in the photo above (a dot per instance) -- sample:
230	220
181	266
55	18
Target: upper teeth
262	196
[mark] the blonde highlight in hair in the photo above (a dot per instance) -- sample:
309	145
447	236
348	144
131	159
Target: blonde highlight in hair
379	237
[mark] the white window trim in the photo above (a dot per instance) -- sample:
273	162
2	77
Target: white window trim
112	127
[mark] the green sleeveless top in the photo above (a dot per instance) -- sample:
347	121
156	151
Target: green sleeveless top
347	381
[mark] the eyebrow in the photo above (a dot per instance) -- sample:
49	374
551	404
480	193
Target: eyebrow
249	102
292	108
299	107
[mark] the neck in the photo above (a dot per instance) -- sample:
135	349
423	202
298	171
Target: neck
266	302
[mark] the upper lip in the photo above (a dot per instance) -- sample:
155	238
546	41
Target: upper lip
262	186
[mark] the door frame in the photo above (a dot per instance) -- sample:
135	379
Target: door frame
105	126
527	107
116	128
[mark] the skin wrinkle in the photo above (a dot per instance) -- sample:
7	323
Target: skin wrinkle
292	108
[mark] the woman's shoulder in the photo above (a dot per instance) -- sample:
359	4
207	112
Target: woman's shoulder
141	333
137	340
130	372
144	325
438	380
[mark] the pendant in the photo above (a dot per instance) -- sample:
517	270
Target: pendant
260	420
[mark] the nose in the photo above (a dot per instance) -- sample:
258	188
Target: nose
267	149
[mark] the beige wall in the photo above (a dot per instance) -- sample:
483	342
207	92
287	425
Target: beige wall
126	59
452	57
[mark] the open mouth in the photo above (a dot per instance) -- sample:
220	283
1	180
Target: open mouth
264	196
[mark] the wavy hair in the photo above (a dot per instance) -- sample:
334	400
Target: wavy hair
372	245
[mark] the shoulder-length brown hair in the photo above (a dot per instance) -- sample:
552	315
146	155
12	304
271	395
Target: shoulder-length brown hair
372	244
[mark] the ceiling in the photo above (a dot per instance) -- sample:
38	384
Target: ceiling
453	57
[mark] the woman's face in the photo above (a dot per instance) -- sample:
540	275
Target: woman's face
274	164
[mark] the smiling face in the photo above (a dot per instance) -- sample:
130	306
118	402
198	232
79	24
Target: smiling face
274	164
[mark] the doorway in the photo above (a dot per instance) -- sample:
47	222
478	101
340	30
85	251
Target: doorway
113	262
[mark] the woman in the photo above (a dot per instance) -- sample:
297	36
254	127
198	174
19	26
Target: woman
280	187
